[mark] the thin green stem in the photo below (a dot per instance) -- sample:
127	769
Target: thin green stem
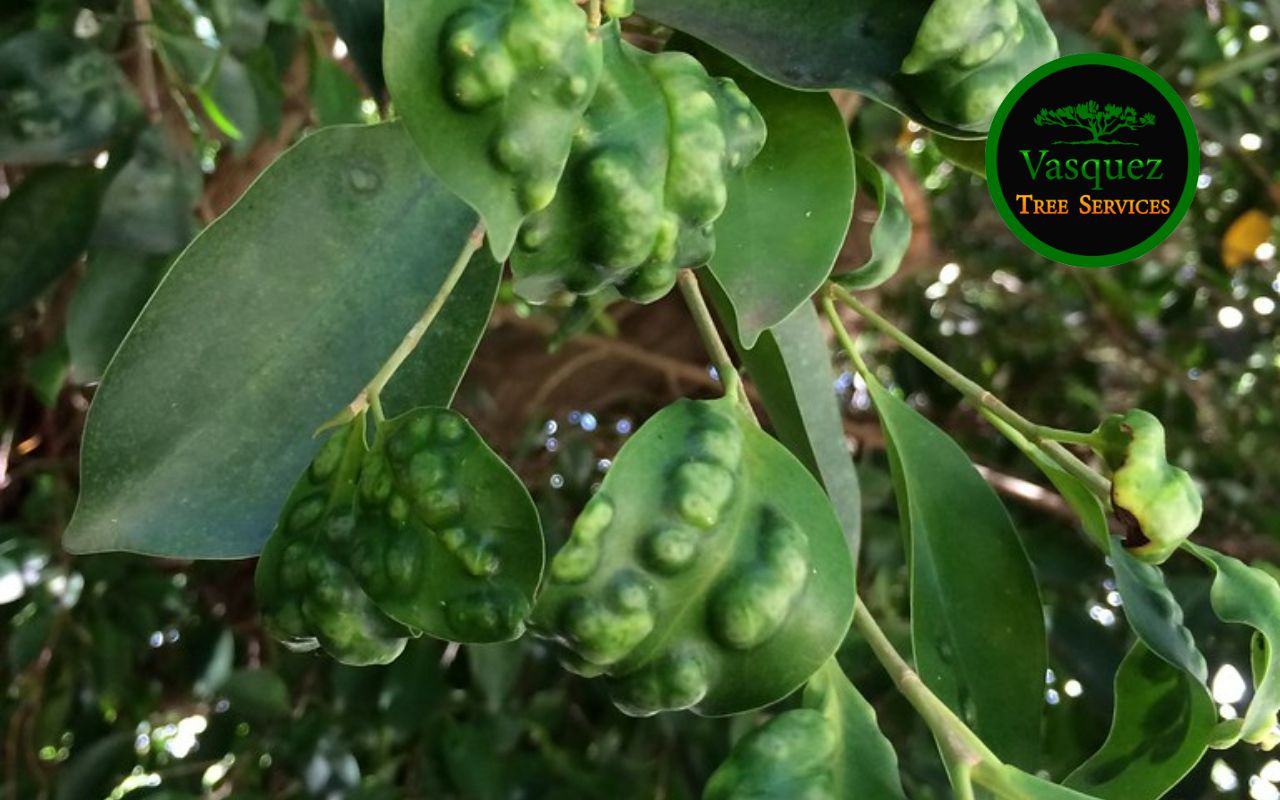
711	340
594	17
977	395
960	746
1087	439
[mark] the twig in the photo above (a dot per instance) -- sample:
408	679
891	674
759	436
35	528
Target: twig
146	67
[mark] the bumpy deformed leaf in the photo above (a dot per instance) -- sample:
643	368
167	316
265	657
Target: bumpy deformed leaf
1157	503
830	749
59	98
493	92
308	595
1163	721
450	542
1249	596
645	181
968	54
709	571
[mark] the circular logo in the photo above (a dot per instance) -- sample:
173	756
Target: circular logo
1092	160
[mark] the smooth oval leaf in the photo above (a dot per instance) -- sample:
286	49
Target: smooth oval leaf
708	572
493	92
274	318
1163	721
1249	596
645	181
790	366
150	205
60	98
891	234
115	287
977	627
307	591
448	541
44	227
835	44
789	210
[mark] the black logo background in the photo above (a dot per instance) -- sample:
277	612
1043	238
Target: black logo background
1091	234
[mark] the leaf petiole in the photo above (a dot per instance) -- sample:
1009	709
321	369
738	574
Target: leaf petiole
711	340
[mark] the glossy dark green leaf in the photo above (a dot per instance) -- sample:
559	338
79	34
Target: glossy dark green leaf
789	210
44	227
360	24
115	287
977	627
891	234
790	366
834	44
431	374
1153	612
306	589
149	208
271	321
646	179
60	98
494	107
448	541
830	748
708	572
1163	721
1250	596
335	97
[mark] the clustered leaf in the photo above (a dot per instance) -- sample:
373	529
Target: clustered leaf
708	572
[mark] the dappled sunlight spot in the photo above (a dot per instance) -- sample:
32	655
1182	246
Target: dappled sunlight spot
1224	777
1228	685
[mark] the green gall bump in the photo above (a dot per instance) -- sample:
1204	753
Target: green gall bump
440	507
536	195
487	614
306	514
670	550
594	519
677	682
630	593
398	509
790	756
427	470
327	460
617	9
450	428
702	492
375	481
602	635
338	529
575	562
405	563
421	429
720	441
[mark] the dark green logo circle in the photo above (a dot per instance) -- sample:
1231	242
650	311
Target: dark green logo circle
1092	160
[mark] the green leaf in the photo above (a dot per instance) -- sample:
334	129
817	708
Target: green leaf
646	179
273	319
44	227
258	694
790	367
977	627
789	210
1162	725
306	588
47	373
150	205
494	108
1250	596
891	235
60	98
335	97
1154	614
448	540
94	769
222	84
834	44
830	748
360	24
115	287
1011	783
432	372
708	572
968	154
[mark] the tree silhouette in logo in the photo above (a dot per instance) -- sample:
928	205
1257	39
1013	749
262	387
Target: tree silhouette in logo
1100	122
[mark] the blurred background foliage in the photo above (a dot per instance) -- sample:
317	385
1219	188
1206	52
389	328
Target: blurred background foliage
128	676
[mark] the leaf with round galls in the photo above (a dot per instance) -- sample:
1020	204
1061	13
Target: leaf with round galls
968	54
308	596
493	92
1157	503
646	178
708	572
450	544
